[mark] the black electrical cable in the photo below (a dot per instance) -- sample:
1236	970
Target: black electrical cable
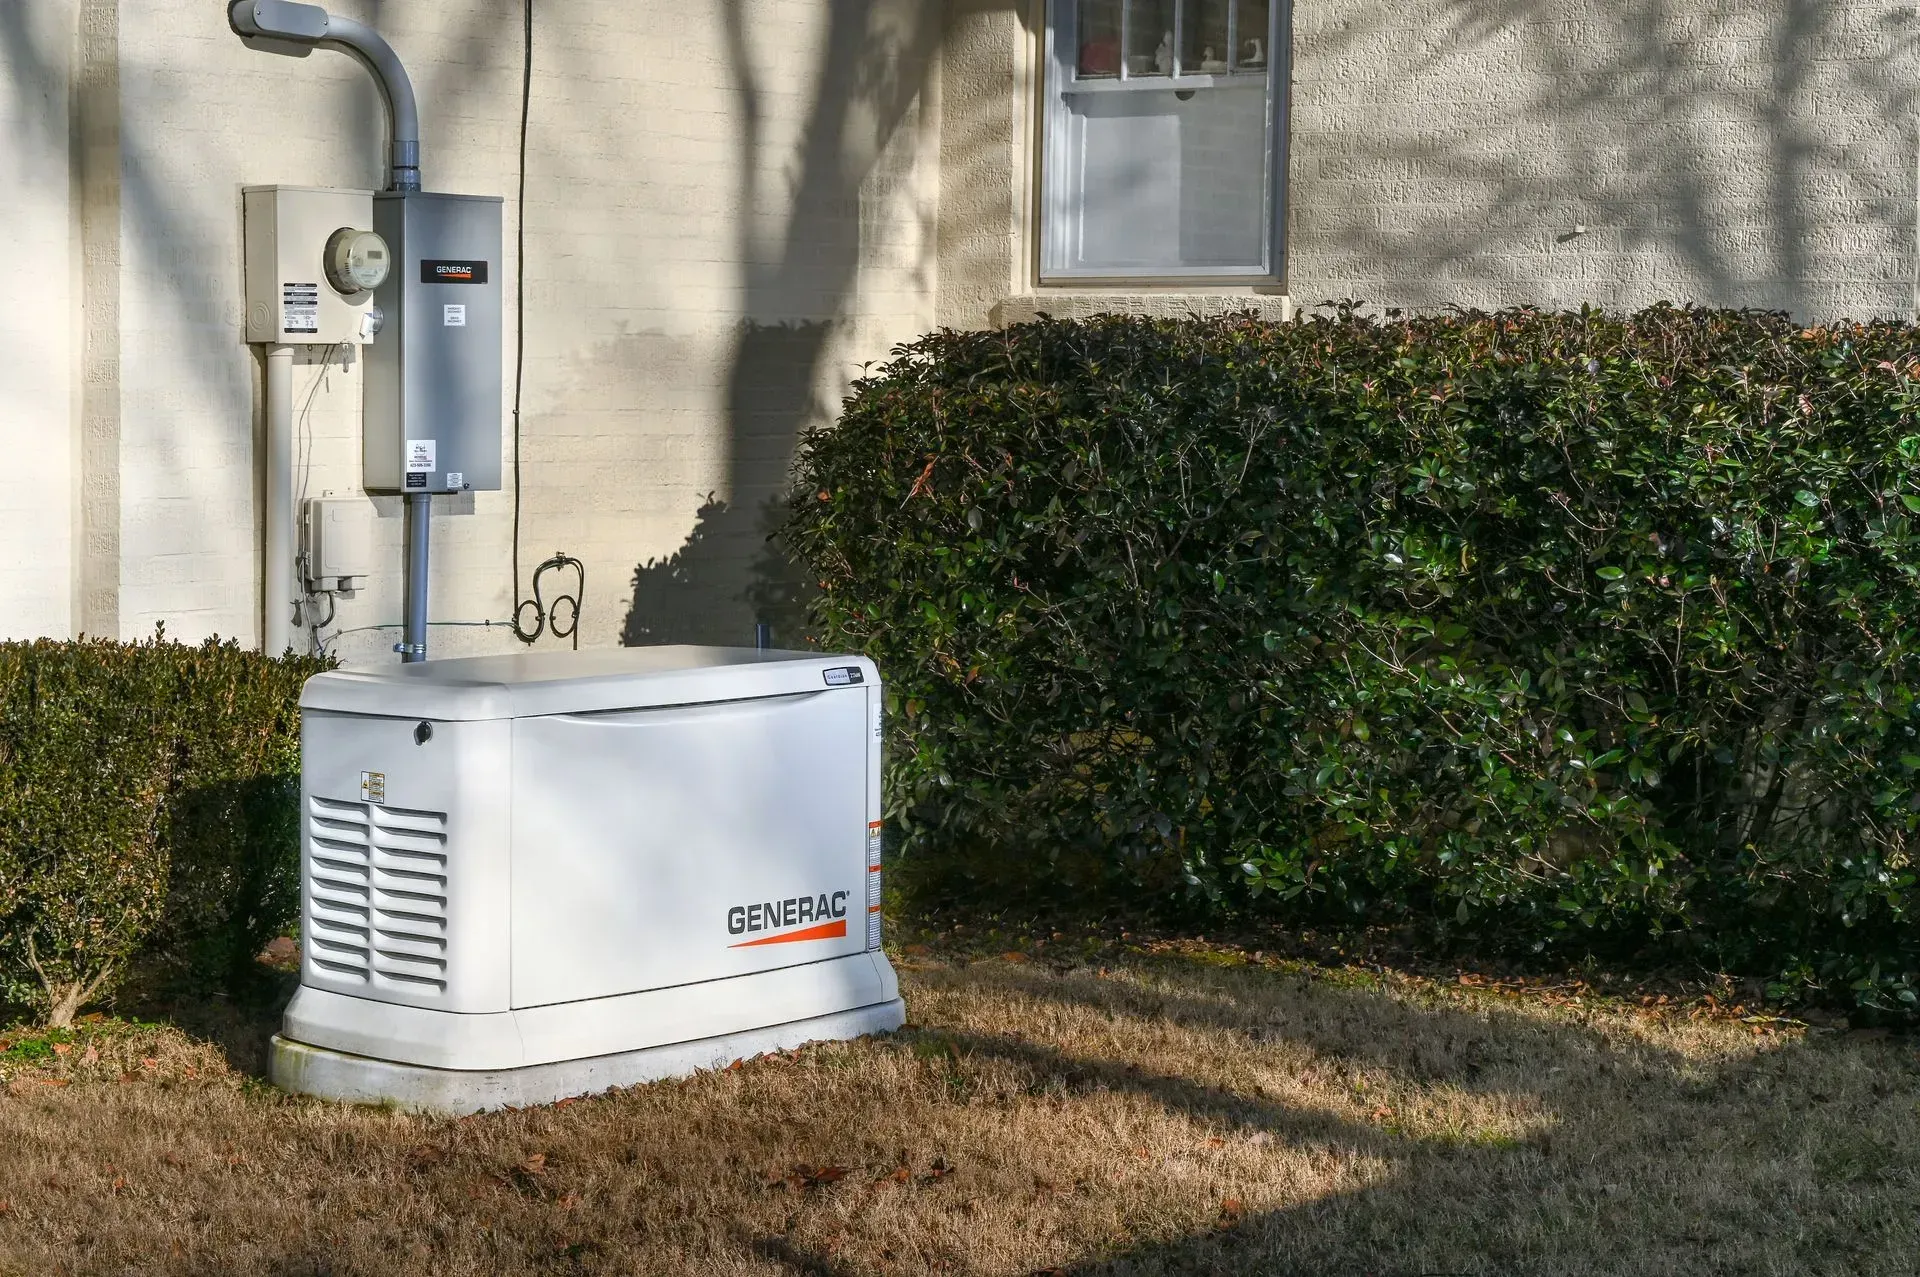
545	619
546	616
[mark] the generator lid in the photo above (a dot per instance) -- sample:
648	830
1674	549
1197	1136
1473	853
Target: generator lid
532	684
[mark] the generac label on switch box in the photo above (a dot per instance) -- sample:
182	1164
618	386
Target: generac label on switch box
445	272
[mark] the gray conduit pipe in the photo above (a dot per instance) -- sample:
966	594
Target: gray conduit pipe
280	26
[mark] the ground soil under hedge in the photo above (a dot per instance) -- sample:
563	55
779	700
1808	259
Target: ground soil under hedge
1173	1108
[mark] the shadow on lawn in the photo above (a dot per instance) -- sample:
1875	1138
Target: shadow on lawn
1709	1165
238	1023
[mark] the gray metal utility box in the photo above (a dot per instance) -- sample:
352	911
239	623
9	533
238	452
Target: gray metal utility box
432	421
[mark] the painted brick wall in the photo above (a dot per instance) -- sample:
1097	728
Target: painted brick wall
729	210
1718	151
37	334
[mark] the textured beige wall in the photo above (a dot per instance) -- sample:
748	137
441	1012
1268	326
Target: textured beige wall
1444	151
38	436
1719	151
730	209
986	65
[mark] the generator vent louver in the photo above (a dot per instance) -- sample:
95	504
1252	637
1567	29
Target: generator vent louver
377	894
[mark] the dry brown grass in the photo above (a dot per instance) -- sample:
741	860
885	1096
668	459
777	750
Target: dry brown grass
1173	1113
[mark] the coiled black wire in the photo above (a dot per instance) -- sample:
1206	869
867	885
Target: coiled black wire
546	616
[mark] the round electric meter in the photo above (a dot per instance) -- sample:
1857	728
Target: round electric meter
357	261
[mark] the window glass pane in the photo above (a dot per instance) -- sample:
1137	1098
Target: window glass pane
1204	42
1098	36
1145	175
1149	37
1167	183
1250	52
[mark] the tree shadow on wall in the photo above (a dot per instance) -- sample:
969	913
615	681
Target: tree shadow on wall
730	573
1725	153
800	278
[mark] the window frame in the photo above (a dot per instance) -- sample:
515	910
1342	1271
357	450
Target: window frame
1058	19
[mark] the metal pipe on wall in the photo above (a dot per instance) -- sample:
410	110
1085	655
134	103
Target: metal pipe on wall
294	29
279	588
413	635
280	26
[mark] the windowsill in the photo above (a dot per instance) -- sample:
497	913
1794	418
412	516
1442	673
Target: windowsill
1168	83
1173	301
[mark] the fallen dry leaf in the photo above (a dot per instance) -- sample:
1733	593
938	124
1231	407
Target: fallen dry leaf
535	1165
61	1048
421	1156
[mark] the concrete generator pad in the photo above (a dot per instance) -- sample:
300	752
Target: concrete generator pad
336	1075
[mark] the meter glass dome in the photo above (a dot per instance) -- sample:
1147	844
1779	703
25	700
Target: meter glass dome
357	261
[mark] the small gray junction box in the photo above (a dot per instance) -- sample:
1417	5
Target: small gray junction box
433	380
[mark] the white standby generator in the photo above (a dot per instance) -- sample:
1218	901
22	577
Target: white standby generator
534	876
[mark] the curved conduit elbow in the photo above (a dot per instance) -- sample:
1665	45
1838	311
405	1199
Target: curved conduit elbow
278	26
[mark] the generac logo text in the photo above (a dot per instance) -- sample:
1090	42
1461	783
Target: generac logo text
794	911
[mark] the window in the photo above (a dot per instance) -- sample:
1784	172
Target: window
1163	139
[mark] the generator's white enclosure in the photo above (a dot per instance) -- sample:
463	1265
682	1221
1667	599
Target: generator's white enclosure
528	876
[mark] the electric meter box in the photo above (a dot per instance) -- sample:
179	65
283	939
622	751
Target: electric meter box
432	419
290	299
532	876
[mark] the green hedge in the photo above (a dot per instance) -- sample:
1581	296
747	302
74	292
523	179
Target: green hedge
1558	632
148	813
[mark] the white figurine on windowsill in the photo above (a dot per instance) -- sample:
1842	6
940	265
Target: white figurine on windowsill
1163	56
1256	54
1210	64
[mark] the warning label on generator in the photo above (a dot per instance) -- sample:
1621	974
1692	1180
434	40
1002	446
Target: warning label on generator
300	307
373	787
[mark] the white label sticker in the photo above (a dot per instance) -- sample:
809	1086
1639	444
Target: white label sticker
419	456
373	787
456	480
300	304
454	316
